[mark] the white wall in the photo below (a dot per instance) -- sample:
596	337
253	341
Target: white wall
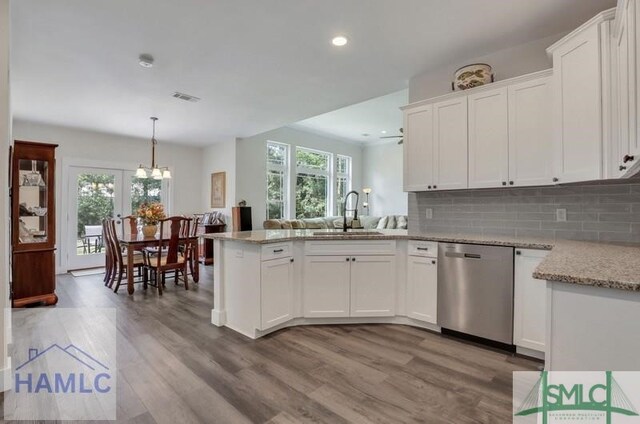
220	157
75	144
5	137
507	63
251	164
382	172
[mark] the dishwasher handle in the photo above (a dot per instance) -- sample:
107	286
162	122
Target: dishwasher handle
463	255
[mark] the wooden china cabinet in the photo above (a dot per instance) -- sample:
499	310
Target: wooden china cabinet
33	224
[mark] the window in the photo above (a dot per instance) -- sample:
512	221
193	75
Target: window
343	181
277	180
313	174
145	190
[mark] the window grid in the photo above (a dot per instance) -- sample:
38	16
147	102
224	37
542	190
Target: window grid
277	186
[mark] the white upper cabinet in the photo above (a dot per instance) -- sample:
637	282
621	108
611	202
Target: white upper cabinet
625	147
633	12
450	144
418	148
578	79
530	133
488	139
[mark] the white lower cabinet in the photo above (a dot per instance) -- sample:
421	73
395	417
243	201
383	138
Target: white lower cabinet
326	286
422	288
529	309
373	286
343	286
276	292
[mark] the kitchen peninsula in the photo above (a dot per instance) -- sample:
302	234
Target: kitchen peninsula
268	280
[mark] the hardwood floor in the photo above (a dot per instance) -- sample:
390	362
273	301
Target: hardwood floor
174	366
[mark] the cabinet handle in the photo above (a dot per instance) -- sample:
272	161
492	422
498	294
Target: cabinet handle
353	259
518	252
348	259
627	158
555	179
504	183
291	260
422	248
429	187
433	262
435	186
510	182
278	250
622	167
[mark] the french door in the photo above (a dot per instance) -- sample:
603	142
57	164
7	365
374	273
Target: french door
95	194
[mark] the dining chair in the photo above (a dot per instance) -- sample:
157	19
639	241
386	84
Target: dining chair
129	225
193	249
109	262
120	259
171	241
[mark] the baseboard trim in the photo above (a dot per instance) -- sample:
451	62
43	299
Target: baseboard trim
5	376
218	318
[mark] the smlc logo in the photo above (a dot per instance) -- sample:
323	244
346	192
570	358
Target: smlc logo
596	393
75	371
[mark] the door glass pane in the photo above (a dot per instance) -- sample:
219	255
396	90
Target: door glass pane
311	196
33	201
145	190
95	203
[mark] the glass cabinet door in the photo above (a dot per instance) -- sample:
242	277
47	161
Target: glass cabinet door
32	200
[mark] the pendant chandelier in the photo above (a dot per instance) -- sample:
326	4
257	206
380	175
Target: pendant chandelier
157	173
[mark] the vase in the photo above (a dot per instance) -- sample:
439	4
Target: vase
149	230
472	76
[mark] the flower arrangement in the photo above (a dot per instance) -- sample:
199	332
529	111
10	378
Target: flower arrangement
151	213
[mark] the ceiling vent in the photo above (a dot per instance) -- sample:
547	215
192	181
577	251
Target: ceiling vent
186	97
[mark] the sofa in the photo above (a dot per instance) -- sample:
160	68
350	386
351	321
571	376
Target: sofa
336	222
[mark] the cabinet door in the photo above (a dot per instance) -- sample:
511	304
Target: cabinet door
624	96
276	292
373	286
529	309
326	286
578	109
422	289
633	20
450	144
530	133
488	139
418	148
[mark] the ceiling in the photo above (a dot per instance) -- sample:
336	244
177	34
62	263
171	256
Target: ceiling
256	64
363	122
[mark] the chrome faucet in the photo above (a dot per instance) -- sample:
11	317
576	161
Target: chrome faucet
345	210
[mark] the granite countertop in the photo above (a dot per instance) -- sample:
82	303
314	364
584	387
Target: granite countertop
615	266
275	236
597	264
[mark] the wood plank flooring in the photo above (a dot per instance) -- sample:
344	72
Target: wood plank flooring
174	366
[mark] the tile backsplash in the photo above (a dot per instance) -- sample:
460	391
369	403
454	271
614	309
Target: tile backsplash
606	211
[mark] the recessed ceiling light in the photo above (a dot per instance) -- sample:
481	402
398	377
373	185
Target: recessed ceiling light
339	41
383	132
145	60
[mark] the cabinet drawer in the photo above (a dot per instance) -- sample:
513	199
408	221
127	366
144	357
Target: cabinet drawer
350	247
277	250
428	249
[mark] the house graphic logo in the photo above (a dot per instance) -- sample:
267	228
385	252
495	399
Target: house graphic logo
576	397
58	370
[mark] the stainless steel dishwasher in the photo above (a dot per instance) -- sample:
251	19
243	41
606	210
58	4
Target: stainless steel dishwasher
475	290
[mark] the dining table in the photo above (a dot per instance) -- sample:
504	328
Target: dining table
137	242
